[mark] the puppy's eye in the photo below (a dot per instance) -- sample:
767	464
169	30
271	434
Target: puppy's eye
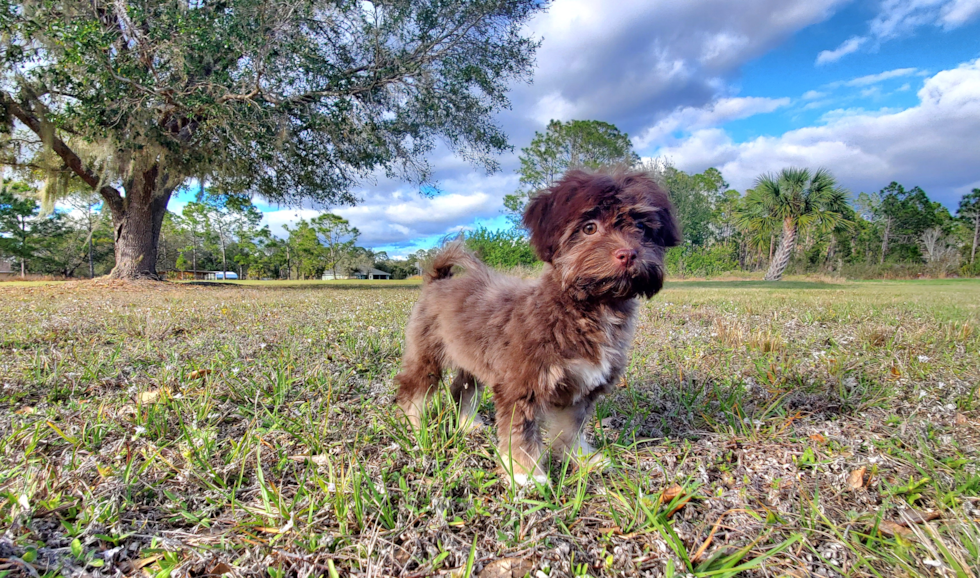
641	227
590	228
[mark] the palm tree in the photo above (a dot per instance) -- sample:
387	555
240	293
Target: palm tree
796	199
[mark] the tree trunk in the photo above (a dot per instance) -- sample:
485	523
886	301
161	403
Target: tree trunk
976	237
137	225
91	261
784	252
224	262
884	241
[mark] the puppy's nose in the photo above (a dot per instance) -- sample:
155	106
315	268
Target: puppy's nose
625	256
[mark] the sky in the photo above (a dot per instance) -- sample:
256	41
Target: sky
876	91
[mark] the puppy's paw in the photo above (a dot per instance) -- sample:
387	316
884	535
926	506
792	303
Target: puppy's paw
529	480
470	424
595	461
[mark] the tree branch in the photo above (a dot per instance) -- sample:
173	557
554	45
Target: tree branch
72	160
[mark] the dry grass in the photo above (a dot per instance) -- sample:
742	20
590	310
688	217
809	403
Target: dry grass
799	429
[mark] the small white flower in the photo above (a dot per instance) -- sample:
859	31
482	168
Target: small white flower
923	358
178	395
819	354
140	430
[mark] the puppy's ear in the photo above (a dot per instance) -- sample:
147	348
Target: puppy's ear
537	220
669	234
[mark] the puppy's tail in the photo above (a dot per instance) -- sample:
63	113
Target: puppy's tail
453	254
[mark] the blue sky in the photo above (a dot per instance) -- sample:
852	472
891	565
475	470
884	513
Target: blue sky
876	91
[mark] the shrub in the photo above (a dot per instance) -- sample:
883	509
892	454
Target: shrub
507	248
693	261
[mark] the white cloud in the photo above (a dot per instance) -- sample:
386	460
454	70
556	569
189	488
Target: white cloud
276	219
932	144
689	118
813	95
959	12
847	47
392	213
880	77
626	65
901	17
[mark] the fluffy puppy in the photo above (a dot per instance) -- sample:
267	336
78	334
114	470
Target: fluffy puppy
547	348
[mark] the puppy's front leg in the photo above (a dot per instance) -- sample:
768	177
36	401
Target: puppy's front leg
519	438
565	433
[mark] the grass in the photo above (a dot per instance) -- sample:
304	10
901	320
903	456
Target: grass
793	429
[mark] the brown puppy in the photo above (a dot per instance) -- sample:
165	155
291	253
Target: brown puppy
547	348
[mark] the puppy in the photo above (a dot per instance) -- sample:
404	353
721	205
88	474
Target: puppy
547	348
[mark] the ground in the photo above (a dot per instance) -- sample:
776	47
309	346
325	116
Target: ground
788	429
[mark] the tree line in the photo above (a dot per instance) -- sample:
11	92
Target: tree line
798	219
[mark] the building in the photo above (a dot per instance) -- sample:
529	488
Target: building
7	268
370	273
220	275
177	275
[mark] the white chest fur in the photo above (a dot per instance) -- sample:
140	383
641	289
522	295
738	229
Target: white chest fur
591	375
612	356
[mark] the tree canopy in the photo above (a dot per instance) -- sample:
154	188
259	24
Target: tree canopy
289	100
793	199
567	145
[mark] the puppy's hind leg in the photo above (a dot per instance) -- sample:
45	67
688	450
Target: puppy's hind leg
466	394
416	383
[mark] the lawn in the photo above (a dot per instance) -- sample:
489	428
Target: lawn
796	429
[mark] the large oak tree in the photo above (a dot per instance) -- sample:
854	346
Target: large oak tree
287	99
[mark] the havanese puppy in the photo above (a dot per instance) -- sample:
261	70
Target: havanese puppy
549	347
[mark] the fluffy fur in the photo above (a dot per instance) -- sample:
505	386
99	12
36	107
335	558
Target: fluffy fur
549	347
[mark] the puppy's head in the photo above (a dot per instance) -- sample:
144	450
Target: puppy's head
605	233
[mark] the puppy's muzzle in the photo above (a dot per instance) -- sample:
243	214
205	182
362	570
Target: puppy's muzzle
625	257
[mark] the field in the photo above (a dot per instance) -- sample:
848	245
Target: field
797	429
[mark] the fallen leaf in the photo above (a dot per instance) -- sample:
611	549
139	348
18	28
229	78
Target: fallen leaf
818	438
148	396
672	492
199	373
26	410
132	565
916	517
960	419
402	556
855	479
895	372
319	459
508	568
892	529
219	569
